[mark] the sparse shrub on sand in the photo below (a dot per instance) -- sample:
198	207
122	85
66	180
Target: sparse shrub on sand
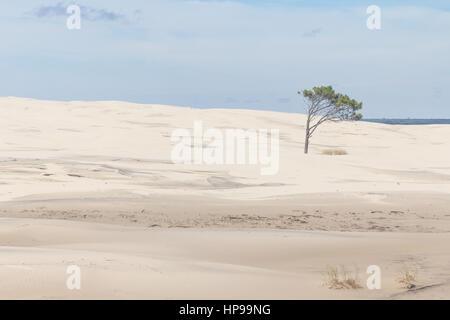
407	279
334	152
339	278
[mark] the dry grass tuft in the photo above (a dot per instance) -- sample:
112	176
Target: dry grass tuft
334	152
407	279
341	279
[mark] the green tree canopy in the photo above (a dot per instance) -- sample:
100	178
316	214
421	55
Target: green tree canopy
324	104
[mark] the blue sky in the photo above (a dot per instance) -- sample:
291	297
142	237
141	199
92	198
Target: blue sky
236	54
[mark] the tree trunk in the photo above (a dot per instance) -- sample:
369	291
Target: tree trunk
307	135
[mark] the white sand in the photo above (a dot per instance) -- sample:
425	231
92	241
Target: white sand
109	162
125	262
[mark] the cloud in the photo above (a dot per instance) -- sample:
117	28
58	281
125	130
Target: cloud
313	33
50	11
101	14
88	13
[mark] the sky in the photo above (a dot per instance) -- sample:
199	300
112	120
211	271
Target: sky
253	54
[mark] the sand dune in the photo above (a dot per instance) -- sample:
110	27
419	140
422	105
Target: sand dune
127	262
58	143
385	202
